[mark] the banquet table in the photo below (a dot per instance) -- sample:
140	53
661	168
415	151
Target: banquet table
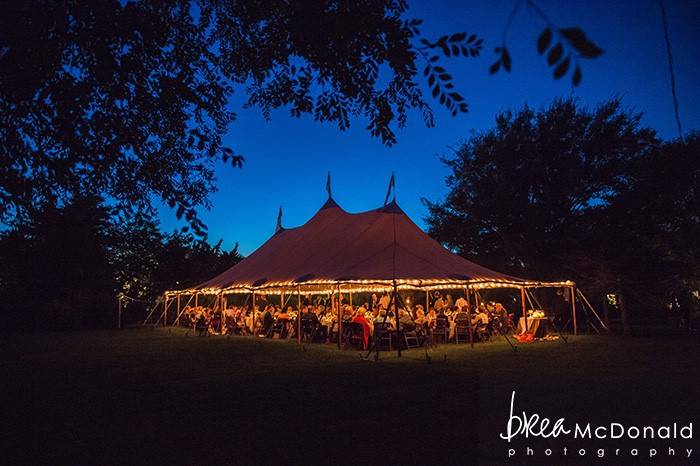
539	327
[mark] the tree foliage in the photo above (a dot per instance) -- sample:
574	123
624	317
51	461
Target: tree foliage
572	192
130	100
65	267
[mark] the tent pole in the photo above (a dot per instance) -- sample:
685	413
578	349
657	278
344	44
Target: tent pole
165	310
586	302
253	320
350	296
469	317
196	299
299	314
524	306
221	310
427	301
177	319
398	322
340	320
573	309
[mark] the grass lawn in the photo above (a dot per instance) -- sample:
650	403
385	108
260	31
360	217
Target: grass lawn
158	396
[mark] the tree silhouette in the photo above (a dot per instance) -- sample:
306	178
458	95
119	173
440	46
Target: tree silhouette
573	192
131	99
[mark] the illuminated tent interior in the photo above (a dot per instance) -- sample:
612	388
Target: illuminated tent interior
338	252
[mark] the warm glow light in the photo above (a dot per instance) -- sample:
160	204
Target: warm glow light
372	286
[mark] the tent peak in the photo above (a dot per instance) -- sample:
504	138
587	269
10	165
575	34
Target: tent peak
330	204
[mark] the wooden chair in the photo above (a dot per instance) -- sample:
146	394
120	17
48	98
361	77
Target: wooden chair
461	332
382	336
441	330
354	334
201	326
482	332
410	339
277	329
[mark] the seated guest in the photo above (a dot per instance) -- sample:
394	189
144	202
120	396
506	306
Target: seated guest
310	316
431	316
406	321
439	303
267	320
347	313
500	311
383	318
480	316
420	316
283	314
360	319
461	303
384	301
461	317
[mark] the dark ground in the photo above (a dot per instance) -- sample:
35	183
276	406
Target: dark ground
155	396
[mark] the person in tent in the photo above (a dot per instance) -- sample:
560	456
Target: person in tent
461	303
384	301
406	322
362	320
439	303
267	320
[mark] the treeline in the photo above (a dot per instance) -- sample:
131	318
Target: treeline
63	267
588	194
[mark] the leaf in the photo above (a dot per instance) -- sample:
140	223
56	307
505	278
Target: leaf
426	71
456	96
544	40
439	69
505	58
581	43
471	39
436	91
494	68
431	80
562	68
445	77
434	58
455	50
458	37
555	54
445	50
576	78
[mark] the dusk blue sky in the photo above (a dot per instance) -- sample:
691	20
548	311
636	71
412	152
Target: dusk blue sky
287	158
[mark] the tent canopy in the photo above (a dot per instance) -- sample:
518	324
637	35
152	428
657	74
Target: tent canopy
369	249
